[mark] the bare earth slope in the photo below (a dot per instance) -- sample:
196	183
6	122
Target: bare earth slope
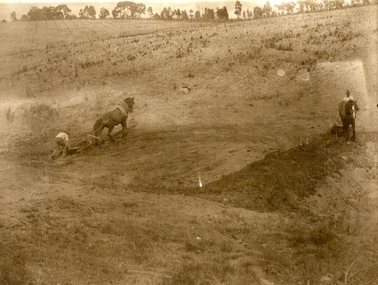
237	181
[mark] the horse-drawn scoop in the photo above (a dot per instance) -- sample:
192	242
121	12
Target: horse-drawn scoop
80	146
337	130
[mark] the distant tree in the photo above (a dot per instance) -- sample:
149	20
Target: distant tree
267	9
281	7
89	12
244	15
156	16
249	14
222	13
64	10
191	14
128	9
197	15
24	18
238	9
336	4
35	14
164	15
290	7
104	13
209	14
177	13
72	17
184	15
257	12
150	12
48	13
13	16
315	5
170	13
116	13
300	6
81	14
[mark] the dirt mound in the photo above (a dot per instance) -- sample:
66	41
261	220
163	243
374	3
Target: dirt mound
282	179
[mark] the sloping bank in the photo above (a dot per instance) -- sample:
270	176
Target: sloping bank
327	192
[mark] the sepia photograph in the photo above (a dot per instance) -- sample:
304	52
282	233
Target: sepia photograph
189	142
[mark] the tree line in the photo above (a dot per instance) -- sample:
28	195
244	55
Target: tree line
131	10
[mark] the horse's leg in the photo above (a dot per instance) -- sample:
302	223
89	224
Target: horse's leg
345	128
124	126
110	129
97	129
354	131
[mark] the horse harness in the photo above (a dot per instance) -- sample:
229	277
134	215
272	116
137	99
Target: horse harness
124	108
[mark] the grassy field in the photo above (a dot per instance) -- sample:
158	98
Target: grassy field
228	174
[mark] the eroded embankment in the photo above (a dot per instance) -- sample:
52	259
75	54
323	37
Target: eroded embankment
328	190
325	191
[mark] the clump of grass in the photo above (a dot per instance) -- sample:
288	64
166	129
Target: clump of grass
193	272
42	112
12	266
40	117
29	92
9	114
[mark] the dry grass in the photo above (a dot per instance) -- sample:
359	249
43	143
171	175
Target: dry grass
13	260
9	115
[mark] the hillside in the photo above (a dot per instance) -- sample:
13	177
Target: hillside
234	180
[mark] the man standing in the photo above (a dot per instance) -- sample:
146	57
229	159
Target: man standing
61	142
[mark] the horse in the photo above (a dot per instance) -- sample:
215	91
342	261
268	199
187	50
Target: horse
110	119
347	112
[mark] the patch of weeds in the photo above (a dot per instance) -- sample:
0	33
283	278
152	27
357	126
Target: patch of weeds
40	114
130	57
22	70
42	110
89	63
12	266
136	238
285	46
194	246
319	236
29	92
179	53
195	273
226	246
265	97
9	114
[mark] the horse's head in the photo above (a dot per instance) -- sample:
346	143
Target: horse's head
355	105
130	103
351	108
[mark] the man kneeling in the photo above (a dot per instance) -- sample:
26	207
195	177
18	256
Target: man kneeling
61	143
